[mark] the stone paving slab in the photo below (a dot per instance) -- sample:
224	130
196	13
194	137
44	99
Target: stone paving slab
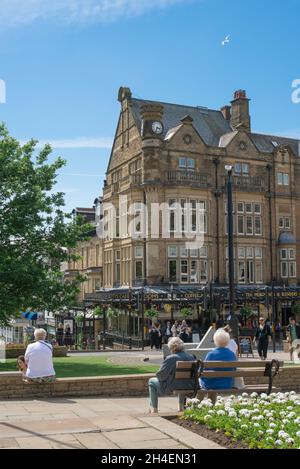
186	437
47	427
116	422
126	438
95	441
7	442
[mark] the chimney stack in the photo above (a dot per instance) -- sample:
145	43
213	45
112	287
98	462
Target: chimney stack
240	117
226	111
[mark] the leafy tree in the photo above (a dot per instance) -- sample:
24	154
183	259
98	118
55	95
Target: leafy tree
36	236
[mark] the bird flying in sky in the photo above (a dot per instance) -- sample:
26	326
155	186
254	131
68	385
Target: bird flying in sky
226	40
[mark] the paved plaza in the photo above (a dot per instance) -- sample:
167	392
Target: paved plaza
94	423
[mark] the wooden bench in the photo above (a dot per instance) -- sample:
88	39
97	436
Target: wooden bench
195	370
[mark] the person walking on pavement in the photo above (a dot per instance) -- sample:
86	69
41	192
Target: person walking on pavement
262	335
293	330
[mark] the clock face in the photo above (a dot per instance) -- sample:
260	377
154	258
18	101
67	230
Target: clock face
157	127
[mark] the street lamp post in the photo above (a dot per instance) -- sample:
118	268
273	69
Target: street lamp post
273	318
143	317
172	307
233	322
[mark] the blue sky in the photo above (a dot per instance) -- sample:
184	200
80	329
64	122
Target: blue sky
63	62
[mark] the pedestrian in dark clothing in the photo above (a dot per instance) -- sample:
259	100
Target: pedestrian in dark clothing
167	332
68	338
262	335
60	334
154	337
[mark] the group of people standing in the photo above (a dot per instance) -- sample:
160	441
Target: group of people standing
64	336
159	334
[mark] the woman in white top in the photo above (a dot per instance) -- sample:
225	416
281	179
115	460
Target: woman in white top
232	345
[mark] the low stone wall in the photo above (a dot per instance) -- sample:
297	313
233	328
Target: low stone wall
12	386
16	351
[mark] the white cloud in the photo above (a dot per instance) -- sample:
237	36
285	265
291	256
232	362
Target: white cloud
18	12
81	142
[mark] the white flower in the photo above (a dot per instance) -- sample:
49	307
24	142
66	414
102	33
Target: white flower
270	432
290	441
291	415
285	421
282	413
220	412
260	432
298	434
207	417
278	442
253	394
244	426
232	414
263	396
272	425
289	407
256	424
292	393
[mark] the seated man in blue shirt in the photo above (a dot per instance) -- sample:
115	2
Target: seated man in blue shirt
220	353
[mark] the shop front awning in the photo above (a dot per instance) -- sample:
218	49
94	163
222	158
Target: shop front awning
151	294
258	293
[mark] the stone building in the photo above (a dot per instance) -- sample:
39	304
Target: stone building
89	252
167	171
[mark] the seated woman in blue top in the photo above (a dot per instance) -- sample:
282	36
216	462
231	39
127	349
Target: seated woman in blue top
220	353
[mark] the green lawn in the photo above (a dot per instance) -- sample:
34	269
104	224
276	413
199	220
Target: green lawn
68	367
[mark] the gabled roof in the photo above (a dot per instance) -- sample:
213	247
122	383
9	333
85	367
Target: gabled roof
210	124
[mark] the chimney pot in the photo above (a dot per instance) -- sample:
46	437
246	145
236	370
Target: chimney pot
240	94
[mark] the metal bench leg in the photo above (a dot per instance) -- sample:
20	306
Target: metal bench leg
181	402
213	397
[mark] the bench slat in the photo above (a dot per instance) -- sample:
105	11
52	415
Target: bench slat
239	364
231	374
220	364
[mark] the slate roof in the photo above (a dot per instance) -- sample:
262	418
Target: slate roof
211	125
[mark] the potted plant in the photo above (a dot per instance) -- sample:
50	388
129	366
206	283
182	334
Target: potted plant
151	313
186	312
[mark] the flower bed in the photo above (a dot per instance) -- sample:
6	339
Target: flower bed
263	422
